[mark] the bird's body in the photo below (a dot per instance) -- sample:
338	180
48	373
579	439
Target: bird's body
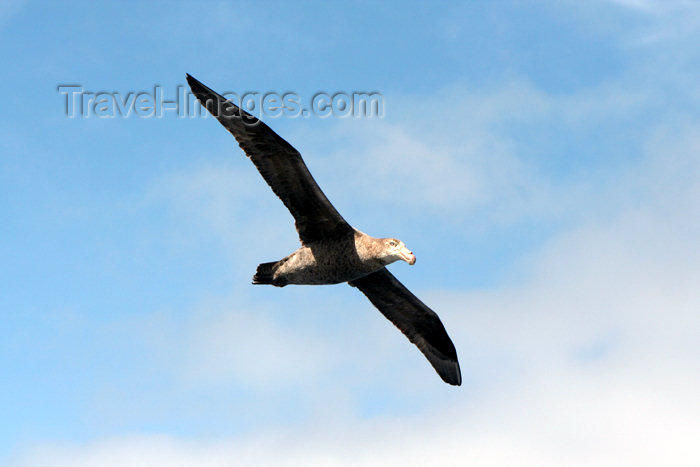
331	251
343	259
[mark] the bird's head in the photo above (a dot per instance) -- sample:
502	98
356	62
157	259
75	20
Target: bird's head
395	250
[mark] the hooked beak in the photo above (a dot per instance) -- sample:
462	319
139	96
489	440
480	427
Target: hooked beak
408	256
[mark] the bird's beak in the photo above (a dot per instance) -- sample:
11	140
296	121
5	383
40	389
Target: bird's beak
408	256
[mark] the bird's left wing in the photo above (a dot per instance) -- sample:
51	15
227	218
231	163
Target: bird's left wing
419	323
280	165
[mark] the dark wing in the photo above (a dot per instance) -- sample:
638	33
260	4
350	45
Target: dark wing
280	165
418	322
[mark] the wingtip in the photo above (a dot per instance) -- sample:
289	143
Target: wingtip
454	381
449	371
458	379
201	91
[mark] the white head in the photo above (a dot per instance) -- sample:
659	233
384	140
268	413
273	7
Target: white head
395	250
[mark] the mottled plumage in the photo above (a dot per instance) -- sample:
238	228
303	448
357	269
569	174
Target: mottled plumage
331	250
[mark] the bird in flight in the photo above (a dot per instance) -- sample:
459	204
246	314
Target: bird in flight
331	251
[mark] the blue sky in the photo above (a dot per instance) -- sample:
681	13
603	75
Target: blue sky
540	158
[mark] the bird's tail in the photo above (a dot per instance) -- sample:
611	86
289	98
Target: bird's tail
265	272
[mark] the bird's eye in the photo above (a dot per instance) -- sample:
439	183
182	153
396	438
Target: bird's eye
392	243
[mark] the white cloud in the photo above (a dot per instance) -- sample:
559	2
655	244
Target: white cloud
449	156
643	5
230	204
562	419
651	6
223	343
665	24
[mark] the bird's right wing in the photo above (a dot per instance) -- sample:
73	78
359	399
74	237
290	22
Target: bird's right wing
418	322
280	165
